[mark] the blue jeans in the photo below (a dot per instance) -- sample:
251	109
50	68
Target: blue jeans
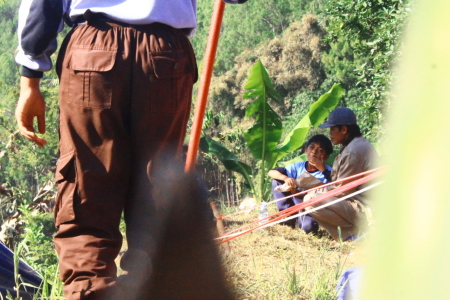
307	223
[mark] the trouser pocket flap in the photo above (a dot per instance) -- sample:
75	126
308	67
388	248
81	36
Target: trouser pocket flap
171	64
95	60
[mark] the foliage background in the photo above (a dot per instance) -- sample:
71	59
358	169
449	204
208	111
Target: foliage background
306	46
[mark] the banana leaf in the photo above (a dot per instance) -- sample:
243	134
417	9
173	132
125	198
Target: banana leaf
265	134
318	111
228	158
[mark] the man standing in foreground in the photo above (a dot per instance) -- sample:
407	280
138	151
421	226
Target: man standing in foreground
126	73
356	155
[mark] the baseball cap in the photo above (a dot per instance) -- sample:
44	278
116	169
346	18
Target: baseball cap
340	116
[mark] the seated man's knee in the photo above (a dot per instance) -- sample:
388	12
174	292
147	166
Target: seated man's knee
310	196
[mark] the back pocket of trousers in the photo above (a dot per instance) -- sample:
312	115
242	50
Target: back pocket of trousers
174	74
65	178
90	77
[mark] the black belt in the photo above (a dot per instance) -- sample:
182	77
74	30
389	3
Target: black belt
90	16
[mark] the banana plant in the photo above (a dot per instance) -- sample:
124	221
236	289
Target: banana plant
263	137
229	159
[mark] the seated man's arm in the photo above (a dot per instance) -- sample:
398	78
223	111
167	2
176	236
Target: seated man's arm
327	174
349	165
280	174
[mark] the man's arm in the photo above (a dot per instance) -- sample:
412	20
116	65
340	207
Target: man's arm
31	104
276	174
327	175
39	23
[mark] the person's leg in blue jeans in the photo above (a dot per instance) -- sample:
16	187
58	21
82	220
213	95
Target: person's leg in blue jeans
283	204
307	223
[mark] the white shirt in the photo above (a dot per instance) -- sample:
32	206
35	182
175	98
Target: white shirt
40	21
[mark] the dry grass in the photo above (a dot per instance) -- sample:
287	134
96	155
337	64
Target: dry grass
282	263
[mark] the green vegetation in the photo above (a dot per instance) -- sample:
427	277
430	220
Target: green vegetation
305	45
263	137
416	253
364	39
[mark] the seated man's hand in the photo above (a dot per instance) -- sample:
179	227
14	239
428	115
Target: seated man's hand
290	182
318	163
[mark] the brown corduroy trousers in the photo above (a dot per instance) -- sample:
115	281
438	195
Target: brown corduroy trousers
125	97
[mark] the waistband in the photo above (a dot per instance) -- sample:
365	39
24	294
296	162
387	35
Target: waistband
90	16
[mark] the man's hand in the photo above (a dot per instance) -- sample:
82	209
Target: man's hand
31	104
277	175
290	182
318	163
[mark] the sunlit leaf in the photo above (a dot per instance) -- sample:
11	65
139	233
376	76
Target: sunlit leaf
264	135
318	111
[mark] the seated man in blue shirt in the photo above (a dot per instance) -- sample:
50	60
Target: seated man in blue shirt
318	149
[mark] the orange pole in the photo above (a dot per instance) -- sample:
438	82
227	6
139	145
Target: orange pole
202	96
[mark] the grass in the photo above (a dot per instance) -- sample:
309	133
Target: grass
36	248
272	263
283	263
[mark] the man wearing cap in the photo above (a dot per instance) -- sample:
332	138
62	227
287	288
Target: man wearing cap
356	156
